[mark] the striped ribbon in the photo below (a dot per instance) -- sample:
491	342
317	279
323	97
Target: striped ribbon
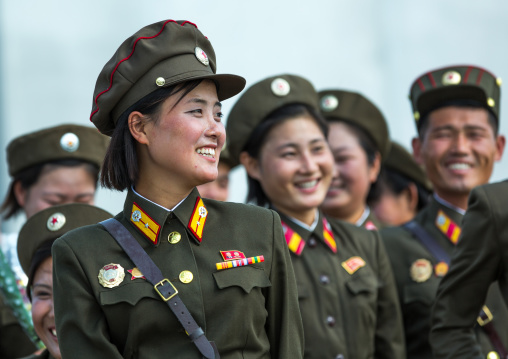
240	262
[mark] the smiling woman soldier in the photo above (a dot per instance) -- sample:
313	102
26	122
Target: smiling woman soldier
173	274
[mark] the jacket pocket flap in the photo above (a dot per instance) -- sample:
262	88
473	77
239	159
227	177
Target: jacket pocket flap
243	277
131	293
362	284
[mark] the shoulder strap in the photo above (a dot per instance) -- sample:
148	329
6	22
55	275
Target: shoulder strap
162	286
427	241
485	317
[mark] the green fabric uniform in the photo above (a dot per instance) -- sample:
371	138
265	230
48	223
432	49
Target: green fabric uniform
417	280
14	342
346	315
479	259
249	311
371	222
44	355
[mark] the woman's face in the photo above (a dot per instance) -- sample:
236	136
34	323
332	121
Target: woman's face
56	185
354	176
43	314
295	166
183	146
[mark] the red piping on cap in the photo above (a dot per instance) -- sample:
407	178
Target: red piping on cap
479	77
466	76
133	48
420	83
431	78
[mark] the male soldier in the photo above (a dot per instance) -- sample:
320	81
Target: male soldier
457	115
481	258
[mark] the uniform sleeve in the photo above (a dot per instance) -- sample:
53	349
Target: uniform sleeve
285	328
81	327
389	337
462	292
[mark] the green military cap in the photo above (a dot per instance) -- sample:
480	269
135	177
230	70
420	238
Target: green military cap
401	161
227	159
465	82
159	55
357	109
261	99
51	223
56	143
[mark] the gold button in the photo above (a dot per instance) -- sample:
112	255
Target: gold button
417	116
493	355
174	237
186	277
160	81
491	102
499	81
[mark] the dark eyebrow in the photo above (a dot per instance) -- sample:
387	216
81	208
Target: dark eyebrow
203	102
294	145
42	285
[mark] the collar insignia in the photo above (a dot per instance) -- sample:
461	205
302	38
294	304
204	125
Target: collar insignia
328	236
232	255
296	243
449	228
370	226
353	264
198	219
145	224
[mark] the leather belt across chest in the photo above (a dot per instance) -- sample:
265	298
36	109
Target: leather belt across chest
162	286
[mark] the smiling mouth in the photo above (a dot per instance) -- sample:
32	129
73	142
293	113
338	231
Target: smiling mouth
207	152
459	166
306	185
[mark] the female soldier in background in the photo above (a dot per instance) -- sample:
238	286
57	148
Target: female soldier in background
359	141
346	289
48	167
404	188
34	250
158	97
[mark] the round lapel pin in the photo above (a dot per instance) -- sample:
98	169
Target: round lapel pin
111	275
421	270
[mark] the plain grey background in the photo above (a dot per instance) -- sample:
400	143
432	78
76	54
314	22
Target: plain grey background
52	51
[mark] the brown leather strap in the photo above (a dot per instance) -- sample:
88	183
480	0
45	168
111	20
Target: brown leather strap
162	286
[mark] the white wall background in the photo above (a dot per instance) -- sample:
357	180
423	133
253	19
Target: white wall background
52	51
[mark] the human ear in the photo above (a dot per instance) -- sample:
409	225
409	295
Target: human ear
374	168
417	150
20	193
251	165
137	127
500	143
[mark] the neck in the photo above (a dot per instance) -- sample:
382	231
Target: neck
350	216
306	217
166	196
456	199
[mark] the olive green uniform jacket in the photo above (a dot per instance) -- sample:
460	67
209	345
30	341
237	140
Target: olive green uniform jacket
44	355
249	312
14	343
480	258
417	297
346	315
372	223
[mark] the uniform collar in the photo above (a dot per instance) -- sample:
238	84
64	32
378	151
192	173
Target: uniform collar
149	217
449	205
446	219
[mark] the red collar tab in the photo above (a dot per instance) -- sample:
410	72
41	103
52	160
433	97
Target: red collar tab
198	219
296	243
145	224
328	236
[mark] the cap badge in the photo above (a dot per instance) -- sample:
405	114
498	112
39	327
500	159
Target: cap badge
56	221
451	78
201	55
232	255
136	273
280	87
329	103
111	275
69	142
421	270
160	81
198	219
353	264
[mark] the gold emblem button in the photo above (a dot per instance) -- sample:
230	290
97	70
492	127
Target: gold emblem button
174	237
186	277
160	81
493	355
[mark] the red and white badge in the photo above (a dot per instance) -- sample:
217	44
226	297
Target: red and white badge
280	87
201	56
421	270
353	264
329	103
232	255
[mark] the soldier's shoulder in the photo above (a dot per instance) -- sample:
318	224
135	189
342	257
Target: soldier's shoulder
239	211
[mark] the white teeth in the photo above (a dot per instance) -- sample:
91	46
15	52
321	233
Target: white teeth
308	184
53	331
209	152
459	166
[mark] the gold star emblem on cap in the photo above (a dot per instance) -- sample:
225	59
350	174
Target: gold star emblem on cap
56	221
